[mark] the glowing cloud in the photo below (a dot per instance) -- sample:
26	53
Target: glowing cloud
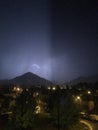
36	66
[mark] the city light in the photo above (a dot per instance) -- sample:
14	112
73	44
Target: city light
89	92
27	89
49	88
37	109
35	94
78	97
54	88
18	89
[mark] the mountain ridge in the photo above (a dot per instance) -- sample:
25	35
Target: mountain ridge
27	79
88	79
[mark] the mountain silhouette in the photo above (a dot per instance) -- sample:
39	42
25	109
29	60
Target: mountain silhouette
28	79
89	79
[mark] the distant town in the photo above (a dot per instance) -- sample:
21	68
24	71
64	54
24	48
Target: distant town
46	105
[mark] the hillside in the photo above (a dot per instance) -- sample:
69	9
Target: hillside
90	79
27	79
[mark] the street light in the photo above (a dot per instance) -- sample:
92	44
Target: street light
89	92
78	97
78	101
49	88
54	88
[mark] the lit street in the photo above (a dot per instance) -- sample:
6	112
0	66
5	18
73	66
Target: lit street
94	125
90	124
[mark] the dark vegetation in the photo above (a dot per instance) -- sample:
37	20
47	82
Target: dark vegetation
38	108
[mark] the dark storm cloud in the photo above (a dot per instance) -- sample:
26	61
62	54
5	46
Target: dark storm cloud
74	41
54	39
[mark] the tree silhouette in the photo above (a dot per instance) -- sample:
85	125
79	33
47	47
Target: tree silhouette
23	112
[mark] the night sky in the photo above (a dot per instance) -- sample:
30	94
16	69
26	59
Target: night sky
56	40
